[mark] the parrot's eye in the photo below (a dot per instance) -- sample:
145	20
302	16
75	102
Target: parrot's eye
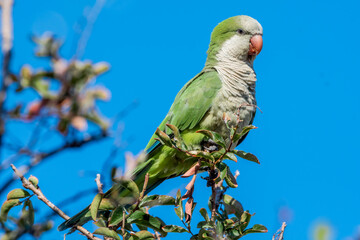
240	31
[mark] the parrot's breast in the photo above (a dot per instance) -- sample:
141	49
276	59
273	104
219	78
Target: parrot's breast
235	99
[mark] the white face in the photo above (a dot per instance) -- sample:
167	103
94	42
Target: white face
235	47
238	45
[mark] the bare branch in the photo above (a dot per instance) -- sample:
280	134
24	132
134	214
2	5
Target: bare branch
7	44
72	199
98	183
279	235
42	197
215	197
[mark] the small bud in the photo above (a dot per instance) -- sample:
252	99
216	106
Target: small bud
34	181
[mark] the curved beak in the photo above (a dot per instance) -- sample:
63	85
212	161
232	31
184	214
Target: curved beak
256	43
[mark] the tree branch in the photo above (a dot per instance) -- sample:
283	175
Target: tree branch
7	44
42	197
215	197
279	235
70	200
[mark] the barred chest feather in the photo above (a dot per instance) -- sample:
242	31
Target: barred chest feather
236	98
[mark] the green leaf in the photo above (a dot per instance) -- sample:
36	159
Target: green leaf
257	228
17	193
223	169
141	218
218	139
163	137
204	213
204	224
156	200
219	228
179	210
245	219
144	235
229	223
100	223
234	234
95	205
232	206
141	227
230	179
107	233
27	215
5	208
107	204
230	156
236	137
116	216
174	228
206	234
247	156
246	129
128	184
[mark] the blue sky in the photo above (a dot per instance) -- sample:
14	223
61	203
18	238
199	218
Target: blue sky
307	136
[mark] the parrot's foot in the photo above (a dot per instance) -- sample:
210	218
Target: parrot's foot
210	146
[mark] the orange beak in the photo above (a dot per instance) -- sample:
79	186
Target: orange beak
256	43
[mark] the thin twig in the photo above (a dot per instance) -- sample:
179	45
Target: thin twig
157	235
98	184
72	199
188	227
7	45
42	197
144	187
123	223
90	21
279	235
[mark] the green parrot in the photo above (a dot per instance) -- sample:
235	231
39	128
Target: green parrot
226	85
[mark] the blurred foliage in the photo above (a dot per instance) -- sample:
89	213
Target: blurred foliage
66	91
63	101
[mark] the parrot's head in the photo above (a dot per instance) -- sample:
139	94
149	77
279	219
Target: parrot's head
237	37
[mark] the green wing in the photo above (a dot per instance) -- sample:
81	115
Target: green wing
192	102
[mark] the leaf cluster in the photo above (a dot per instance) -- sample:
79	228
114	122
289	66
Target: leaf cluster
65	92
25	222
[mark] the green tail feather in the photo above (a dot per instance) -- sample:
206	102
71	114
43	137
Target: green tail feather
79	219
138	177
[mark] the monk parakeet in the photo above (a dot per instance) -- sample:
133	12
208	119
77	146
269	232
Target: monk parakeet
226	83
